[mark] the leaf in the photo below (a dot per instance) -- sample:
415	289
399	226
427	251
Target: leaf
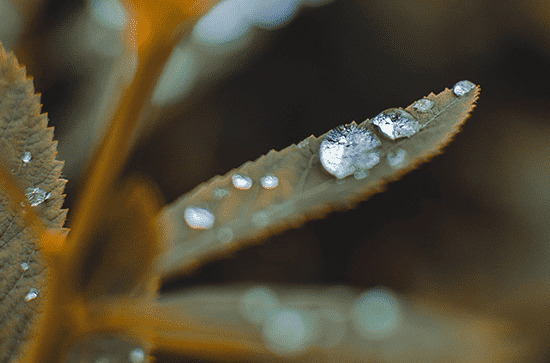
305	190
23	129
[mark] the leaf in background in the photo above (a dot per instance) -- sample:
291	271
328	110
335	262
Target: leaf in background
29	153
232	210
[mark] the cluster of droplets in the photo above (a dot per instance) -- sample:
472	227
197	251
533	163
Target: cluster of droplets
202	218
374	315
353	150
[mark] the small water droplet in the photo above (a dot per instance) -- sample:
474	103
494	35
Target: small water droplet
423	105
36	196
376	314
269	181
242	182
396	123
136	355
225	235
396	159
199	218
32	294
344	147
462	87
260	219
220	193
25	266
288	331
26	157
256	304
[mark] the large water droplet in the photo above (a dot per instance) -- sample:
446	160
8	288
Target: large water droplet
25	266
346	146
256	303
396	123
289	331
396	159
269	181
199	218
376	314
36	196
26	157
136	355
462	87
242	182
32	294
423	105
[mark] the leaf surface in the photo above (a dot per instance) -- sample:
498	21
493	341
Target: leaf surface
24	133
305	189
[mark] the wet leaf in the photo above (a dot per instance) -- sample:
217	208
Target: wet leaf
304	190
28	152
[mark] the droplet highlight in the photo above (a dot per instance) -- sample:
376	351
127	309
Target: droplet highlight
376	314
36	196
242	182
136	355
346	149
26	157
25	266
32	294
256	304
396	159
199	218
462	87
269	181
396	123
423	105
288	331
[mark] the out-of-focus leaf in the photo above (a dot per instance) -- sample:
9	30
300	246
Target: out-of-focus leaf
305	189
29	153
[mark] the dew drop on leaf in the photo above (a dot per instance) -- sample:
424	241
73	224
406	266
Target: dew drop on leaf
242	182
25	266
396	123
462	87
199	218
269	181
26	157
36	196
423	105
344	147
32	294
396	159
136	355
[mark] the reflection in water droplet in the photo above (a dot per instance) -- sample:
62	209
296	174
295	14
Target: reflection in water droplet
396	159
256	303
137	355
241	182
376	314
220	193
396	123
25	266
463	87
36	196
198	218
225	235
269	181
32	294
423	105
260	219
346	146
289	331
26	157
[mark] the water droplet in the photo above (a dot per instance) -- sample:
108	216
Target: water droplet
199	218
269	181
225	235
260	219
423	105
256	303
396	159
36	196
220	193
25	266
344	147
137	355
32	294
289	331
26	157
242	182
462	87
376	314
396	123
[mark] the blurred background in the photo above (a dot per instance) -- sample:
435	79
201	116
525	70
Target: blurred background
468	229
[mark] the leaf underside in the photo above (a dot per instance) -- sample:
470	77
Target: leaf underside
24	129
305	190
